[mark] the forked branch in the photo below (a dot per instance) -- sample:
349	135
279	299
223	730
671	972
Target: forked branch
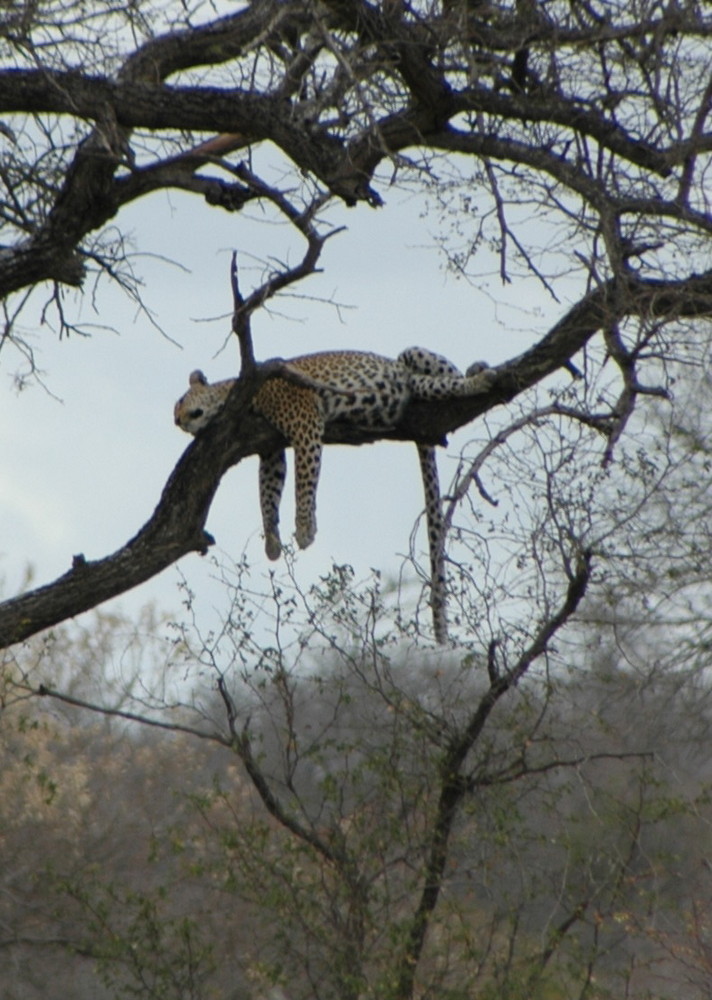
303	221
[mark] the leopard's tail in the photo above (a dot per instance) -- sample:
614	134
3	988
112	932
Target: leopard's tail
436	541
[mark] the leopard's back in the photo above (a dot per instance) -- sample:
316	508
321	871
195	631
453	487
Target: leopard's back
365	389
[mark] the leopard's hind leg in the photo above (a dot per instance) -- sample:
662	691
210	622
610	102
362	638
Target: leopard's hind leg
432	377
307	466
424	362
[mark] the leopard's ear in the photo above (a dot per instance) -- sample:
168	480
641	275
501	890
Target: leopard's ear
197	378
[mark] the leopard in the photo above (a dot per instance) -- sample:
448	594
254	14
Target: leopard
363	389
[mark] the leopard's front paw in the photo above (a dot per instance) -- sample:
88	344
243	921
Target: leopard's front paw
273	545
305	535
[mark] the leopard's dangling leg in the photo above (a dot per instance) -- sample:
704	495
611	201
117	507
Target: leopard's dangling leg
436	541
273	471
299	415
307	465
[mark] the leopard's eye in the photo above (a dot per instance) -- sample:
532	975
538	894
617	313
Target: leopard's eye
194	414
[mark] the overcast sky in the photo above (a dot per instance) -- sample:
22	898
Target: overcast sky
83	468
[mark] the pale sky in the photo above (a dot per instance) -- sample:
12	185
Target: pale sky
83	472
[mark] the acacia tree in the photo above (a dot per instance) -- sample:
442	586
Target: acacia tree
595	115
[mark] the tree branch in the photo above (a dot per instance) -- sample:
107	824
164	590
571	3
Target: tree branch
455	784
177	525
119	713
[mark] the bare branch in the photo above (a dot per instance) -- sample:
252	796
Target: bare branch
44	691
303	221
520	769
454	783
242	744
241	322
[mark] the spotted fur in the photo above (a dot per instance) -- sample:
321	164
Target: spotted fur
366	390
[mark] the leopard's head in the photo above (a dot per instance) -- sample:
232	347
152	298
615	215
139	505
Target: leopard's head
197	407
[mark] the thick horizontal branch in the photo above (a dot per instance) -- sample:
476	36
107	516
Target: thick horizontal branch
137	105
94	190
551	107
592	189
264	115
610	302
213	43
344	166
203	109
